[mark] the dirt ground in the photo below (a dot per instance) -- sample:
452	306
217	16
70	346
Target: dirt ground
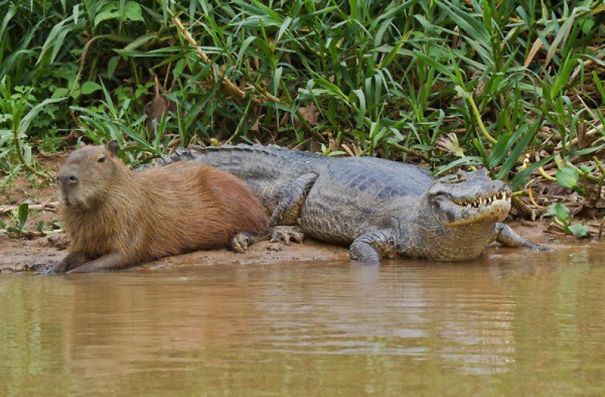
23	255
39	254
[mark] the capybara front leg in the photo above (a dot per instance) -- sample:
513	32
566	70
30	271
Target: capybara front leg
71	261
110	261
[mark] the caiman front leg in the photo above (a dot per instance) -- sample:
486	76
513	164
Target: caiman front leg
372	246
285	234
287	212
509	238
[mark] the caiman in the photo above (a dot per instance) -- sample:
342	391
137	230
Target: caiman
381	208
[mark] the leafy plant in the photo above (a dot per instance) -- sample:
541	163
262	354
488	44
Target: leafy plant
19	219
511	86
564	219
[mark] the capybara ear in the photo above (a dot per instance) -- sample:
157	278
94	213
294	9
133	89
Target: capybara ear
113	147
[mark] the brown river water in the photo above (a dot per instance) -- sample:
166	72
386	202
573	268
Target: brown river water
513	322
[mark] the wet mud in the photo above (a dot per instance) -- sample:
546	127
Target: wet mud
39	254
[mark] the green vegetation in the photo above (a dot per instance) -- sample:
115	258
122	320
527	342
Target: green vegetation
514	86
19	217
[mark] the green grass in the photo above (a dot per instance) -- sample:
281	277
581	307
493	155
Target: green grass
509	85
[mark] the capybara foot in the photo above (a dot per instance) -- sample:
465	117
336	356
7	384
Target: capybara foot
71	261
240	242
286	234
243	240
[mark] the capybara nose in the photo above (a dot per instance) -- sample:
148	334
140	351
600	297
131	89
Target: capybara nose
67	179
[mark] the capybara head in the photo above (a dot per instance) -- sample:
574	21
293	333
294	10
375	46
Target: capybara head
88	174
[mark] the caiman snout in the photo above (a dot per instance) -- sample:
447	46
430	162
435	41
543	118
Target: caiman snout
499	186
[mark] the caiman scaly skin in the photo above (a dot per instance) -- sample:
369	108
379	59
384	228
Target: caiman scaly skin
380	208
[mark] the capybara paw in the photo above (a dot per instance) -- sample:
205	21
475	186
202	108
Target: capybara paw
285	234
56	268
48	269
240	242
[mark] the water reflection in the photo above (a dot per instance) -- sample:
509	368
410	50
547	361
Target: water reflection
507	323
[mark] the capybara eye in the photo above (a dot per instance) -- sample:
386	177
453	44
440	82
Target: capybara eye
101	160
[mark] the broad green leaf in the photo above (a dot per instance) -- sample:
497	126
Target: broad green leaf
60	93
106	15
133	12
111	66
567	177
22	215
88	87
587	24
578	230
558	210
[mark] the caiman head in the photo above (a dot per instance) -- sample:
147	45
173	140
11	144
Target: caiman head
469	197
460	212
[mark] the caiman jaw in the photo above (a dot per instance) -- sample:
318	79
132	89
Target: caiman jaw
483	202
494	207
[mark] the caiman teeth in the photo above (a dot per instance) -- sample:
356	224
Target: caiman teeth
497	198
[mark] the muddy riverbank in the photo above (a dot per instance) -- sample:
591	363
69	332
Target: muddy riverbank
22	255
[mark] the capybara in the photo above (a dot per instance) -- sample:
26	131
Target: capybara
118	218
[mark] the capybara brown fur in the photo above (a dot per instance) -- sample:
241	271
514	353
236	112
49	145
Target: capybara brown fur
118	218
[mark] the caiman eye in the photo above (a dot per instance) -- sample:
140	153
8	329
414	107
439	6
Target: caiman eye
454	179
101	160
457	178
